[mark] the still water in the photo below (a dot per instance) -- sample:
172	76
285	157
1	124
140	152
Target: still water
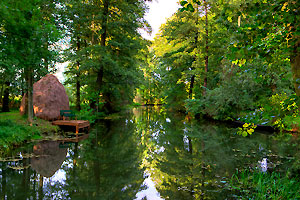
147	153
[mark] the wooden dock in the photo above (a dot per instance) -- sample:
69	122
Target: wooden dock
77	123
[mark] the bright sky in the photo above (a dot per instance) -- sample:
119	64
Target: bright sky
159	11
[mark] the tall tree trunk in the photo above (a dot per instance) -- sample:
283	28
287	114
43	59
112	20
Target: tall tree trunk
1	93
295	63
78	107
103	40
30	94
46	59
206	48
5	105
78	80
103	44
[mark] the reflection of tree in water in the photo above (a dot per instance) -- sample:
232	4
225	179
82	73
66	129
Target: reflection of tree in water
192	160
108	163
104	166
20	181
186	160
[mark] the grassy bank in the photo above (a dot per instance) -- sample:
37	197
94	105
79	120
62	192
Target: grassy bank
14	129
258	185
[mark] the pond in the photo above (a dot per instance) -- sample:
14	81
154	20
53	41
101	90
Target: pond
147	153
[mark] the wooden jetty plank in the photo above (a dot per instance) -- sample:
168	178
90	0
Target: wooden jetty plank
77	123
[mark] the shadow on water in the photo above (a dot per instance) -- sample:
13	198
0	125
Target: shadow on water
148	153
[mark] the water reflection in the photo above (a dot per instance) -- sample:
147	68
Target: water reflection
148	153
197	158
150	193
48	157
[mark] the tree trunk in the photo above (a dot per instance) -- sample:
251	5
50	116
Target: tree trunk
78	80
5	105
191	87
78	107
295	63
206	49
46	59
103	44
103	40
30	94
1	93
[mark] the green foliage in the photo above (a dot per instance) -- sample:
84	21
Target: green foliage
256	185
27	31
188	6
247	129
279	110
105	50
179	58
86	113
226	101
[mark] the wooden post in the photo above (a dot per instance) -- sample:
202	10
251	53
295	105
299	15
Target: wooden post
77	130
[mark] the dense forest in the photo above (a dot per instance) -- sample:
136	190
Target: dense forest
228	60
148	101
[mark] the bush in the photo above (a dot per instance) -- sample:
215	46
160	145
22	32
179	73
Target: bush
86	113
279	110
226	102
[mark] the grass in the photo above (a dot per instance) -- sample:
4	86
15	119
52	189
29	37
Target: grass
14	129
258	185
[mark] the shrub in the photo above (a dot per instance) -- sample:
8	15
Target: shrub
226	102
279	110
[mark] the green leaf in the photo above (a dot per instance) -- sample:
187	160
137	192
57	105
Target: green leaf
197	2
183	3
190	8
244	134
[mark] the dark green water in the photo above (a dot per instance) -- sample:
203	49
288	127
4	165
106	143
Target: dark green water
145	154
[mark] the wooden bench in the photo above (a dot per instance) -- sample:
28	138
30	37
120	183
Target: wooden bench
66	114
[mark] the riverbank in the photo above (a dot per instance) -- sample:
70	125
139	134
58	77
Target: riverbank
290	127
16	130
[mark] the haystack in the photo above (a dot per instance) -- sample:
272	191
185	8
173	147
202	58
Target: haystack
49	97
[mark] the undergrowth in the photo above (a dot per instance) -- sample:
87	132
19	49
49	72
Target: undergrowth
258	185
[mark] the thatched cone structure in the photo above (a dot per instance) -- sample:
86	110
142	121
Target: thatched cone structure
49	97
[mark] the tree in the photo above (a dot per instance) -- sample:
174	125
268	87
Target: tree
25	32
189	6
108	48
267	31
182	51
